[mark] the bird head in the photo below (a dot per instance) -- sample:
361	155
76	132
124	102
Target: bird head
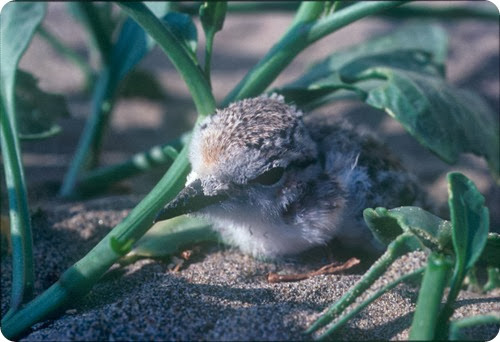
246	148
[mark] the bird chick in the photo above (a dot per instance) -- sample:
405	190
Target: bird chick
275	185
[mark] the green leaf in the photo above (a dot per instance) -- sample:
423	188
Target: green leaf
425	43
130	47
37	110
212	15
168	237
493	278
432	231
446	120
315	92
159	8
133	43
384	227
470	220
415	47
19	21
491	252
183	28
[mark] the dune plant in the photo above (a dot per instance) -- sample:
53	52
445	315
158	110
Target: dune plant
399	73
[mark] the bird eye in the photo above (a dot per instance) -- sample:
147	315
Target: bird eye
269	177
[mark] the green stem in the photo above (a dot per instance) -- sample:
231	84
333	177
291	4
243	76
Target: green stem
448	308
180	57
467	322
244	7
67	52
396	248
425	319
96	29
448	12
296	39
208	54
345	318
307	12
99	179
20	225
87	151
80	278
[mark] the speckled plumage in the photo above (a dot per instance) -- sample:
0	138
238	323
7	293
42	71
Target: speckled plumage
330	174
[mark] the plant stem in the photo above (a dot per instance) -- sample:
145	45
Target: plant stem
209	42
396	248
96	29
455	326
449	12
20	225
344	319
97	180
434	282
87	151
307	12
190	72
294	41
80	277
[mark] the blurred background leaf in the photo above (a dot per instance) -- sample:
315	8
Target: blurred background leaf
36	110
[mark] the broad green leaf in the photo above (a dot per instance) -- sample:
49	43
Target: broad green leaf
383	226
168	237
183	28
18	23
419	44
37	110
133	43
212	15
469	218
131	46
491	252
303	96
446	120
417	47
432	231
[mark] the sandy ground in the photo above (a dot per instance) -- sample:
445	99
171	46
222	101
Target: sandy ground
221	294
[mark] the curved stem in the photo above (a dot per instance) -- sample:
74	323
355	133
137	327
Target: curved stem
296	39
88	146
80	278
467	322
20	225
427	311
396	248
344	319
99	179
177	53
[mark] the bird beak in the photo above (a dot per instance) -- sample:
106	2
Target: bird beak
190	199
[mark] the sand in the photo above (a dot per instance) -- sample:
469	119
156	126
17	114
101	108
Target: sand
222	294
219	294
